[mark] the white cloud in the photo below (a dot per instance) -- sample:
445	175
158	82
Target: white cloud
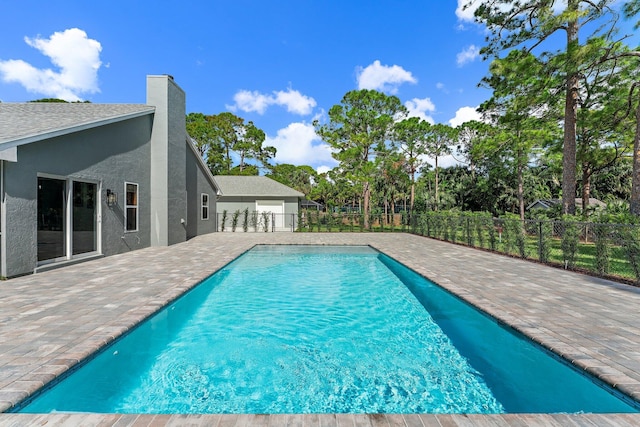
76	56
323	169
292	100
466	15
295	102
249	101
467	55
299	144
465	114
382	77
420	107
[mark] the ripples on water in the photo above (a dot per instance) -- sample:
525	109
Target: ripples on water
310	332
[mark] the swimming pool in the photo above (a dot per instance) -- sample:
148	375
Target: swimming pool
283	322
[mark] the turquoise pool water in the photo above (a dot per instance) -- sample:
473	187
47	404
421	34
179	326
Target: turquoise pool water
314	329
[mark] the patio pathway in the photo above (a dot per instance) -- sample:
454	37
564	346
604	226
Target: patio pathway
50	321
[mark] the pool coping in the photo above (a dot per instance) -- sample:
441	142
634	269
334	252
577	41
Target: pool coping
51	321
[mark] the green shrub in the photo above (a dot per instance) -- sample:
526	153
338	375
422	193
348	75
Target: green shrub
254	220
300	224
265	221
570	240
545	230
234	220
245	220
224	220
603	248
630	239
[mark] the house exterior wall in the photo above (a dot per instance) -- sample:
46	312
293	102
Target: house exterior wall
197	184
109	155
232	204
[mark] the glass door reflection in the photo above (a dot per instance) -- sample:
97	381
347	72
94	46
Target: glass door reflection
51	219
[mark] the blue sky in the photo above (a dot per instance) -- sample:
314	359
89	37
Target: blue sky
278	63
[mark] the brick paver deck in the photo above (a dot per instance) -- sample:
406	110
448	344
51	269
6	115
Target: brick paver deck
50	321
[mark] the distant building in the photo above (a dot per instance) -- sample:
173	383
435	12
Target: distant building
82	180
549	203
257	194
311	205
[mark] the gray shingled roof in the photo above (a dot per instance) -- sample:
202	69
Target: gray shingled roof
28	122
551	202
258	186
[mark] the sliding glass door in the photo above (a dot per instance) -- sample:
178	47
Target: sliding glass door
84	218
51	219
62	232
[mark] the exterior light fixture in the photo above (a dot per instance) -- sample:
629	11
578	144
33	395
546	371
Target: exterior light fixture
112	198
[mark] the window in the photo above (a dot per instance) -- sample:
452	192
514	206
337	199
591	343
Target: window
205	206
131	207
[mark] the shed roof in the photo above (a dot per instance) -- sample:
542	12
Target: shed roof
547	203
253	186
23	123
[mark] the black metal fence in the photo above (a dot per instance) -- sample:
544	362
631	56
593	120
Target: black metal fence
603	249
253	222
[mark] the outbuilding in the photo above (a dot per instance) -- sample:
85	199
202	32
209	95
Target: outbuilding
255	203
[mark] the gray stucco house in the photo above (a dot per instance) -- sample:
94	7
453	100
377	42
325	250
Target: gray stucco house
81	180
257	194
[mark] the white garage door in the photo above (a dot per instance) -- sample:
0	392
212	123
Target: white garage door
275	207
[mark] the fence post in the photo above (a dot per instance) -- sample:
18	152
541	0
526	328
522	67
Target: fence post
540	257
469	231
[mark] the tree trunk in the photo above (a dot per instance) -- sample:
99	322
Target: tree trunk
520	185
366	193
570	118
586	188
386	211
634	204
413	188
436	185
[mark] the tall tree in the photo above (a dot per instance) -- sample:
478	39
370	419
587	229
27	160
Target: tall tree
220	137
518	108
440	140
203	133
470	135
300	178
529	24
228	129
358	128
392	181
248	145
604	126
410	136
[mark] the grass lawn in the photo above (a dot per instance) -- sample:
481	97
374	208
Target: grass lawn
585	258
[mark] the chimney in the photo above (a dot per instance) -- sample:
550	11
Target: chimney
168	157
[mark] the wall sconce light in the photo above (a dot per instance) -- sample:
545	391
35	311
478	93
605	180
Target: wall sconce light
112	198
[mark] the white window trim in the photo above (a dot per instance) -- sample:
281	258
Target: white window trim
204	205
126	207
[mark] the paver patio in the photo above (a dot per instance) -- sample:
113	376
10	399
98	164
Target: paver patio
50	321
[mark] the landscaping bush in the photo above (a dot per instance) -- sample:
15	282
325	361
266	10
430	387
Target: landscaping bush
245	220
603	249
265	221
570	240
630	239
234	220
224	220
254	220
